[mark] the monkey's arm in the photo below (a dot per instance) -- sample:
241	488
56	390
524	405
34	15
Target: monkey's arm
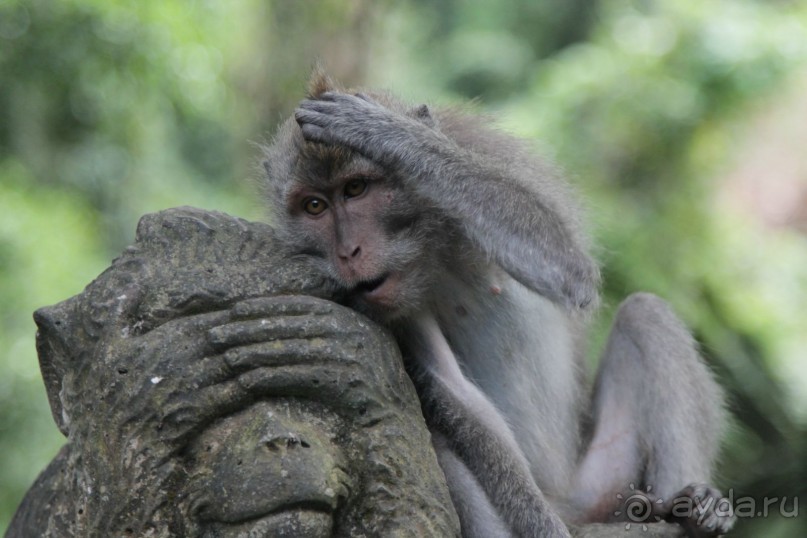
477	433
504	205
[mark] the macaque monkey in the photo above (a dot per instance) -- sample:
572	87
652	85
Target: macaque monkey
470	249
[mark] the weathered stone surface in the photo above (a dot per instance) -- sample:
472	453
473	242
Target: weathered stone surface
205	390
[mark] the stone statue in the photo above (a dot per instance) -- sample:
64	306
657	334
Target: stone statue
207	388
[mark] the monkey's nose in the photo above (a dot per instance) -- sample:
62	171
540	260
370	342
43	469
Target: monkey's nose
352	253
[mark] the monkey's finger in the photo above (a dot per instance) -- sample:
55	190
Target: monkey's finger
253	331
281	305
305	116
314	133
724	523
325	110
335	97
318	105
333	103
709	523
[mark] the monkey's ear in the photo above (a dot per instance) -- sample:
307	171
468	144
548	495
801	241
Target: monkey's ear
423	114
319	82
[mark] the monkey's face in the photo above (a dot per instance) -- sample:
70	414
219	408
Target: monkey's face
375	239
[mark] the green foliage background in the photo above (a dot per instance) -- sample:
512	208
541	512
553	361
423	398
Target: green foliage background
111	109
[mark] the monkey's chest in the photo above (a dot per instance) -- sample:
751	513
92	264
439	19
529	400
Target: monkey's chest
515	345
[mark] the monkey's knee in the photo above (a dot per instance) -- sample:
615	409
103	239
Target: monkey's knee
647	324
652	369
644	309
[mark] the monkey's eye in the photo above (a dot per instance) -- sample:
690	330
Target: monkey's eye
314	206
355	187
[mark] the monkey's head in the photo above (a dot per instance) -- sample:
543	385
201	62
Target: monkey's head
377	240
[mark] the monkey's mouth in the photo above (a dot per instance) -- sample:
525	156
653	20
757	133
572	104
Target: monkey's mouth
381	291
369	286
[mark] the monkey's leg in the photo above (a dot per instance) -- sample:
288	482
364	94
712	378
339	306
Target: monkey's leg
658	418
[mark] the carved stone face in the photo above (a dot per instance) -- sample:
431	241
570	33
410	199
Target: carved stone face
273	469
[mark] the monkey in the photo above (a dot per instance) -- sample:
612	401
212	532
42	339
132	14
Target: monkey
471	249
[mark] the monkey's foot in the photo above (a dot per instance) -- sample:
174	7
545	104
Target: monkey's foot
701	510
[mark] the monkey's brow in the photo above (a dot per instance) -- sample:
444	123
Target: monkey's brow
344	178
357	166
335	181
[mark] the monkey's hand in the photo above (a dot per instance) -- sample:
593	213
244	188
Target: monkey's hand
367	127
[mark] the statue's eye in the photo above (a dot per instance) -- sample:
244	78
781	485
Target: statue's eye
355	187
314	206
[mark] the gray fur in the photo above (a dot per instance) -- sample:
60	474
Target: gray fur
477	515
496	272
